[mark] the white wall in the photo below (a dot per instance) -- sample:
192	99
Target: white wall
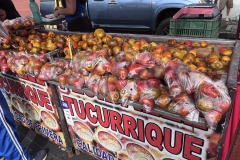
234	12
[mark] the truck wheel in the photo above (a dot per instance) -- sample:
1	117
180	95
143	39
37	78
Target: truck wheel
163	27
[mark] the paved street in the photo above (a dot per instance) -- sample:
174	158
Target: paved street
35	142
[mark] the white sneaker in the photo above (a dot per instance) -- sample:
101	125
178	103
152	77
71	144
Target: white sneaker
227	19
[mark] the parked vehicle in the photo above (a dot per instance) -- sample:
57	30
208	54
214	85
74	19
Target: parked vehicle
131	15
47	7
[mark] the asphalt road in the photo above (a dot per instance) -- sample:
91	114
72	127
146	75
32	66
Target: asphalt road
35	142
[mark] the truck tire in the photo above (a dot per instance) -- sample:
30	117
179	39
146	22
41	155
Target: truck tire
163	27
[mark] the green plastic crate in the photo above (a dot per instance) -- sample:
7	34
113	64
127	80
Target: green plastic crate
208	28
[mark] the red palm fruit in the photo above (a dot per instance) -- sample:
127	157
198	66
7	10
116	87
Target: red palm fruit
148	104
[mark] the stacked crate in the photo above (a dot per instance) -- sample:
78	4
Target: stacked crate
202	26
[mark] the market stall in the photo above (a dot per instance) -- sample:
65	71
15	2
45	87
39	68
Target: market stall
30	100
120	102
85	113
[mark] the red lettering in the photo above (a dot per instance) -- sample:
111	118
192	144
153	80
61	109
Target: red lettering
89	107
34	96
81	114
90	95
28	90
69	102
140	130
12	84
152	113
116	121
77	91
6	85
190	146
22	92
40	98
129	124
178	140
137	109
196	126
64	90
104	123
172	119
23	76
40	82
45	98
31	79
19	87
157	139
100	98
1	82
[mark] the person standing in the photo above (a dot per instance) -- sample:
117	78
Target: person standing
10	147
9	8
75	15
228	4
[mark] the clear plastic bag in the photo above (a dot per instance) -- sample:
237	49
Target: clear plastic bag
24	63
93	83
128	91
177	78
116	66
149	91
50	71
212	99
26	22
78	61
146	59
184	106
4	30
93	59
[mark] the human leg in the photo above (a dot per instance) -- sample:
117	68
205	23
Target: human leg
222	4
229	5
10	146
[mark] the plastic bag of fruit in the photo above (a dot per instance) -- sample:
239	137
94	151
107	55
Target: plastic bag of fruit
146	59
177	78
17	23
35	62
71	78
62	63
212	100
76	80
149	91
104	86
26	22
95	59
4	29
165	98
92	83
102	66
18	64
50	71
128	90
183	105
119	69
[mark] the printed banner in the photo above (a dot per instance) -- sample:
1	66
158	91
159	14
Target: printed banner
31	104
113	132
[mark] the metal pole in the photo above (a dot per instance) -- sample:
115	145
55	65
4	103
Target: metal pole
64	127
